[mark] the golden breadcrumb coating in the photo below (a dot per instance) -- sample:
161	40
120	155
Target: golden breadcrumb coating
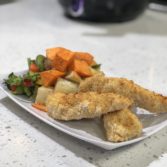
121	125
143	98
76	106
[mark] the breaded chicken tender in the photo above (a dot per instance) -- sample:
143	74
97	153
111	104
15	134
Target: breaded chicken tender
76	106
121	125
143	98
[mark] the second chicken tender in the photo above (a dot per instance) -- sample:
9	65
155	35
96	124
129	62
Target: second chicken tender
121	125
143	98
76	106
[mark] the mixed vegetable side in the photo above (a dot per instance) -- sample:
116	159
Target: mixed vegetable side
61	70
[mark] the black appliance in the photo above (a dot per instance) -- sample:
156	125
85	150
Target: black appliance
104	10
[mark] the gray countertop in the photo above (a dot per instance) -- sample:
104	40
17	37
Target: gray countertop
136	50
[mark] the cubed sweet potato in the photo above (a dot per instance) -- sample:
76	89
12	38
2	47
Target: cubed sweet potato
82	68
84	56
49	77
52	52
63	60
40	107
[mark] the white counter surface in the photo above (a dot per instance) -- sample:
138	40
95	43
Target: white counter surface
136	50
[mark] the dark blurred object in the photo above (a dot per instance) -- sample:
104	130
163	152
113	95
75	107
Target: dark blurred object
2	2
104	10
158	5
162	2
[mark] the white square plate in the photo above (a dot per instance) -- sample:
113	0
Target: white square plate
90	130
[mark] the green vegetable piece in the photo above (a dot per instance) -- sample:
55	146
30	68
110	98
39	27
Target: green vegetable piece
31	76
35	91
27	91
40	62
13	80
17	83
29	62
19	90
11	75
96	66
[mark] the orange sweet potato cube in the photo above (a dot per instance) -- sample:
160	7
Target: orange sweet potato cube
63	60
84	56
52	52
49	77
82	68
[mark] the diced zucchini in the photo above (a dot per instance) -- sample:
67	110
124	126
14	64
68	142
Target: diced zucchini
65	86
74	77
42	94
